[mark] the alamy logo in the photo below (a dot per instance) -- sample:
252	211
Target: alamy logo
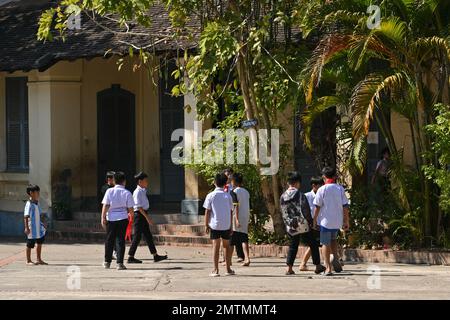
374	280
374	20
215	147
74	22
73	278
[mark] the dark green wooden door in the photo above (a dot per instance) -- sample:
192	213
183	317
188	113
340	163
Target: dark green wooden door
116	143
171	110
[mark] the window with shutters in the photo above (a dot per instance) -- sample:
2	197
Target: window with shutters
17	146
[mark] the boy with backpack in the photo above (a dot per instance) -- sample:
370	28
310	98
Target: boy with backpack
299	223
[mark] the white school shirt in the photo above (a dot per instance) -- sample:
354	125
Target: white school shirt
119	200
33	212
242	201
310	196
220	204
140	199
331	199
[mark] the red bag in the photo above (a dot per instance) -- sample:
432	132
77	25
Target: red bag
129	229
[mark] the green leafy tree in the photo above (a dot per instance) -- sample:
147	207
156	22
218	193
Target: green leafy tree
404	63
251	45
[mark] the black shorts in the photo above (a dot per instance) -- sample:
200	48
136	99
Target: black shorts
31	242
220	234
238	237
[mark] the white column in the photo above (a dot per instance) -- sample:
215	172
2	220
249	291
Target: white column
40	127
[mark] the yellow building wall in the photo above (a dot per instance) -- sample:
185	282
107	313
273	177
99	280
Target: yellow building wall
63	127
99	74
402	136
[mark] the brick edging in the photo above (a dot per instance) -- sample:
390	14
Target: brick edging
359	255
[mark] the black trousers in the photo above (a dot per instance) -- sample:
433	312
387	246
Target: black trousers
309	239
141	227
240	251
115	239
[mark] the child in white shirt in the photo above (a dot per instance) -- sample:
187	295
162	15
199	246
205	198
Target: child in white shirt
331	214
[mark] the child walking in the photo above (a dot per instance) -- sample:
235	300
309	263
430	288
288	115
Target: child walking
241	201
34	225
142	220
109	183
298	220
331	214
316	183
117	206
218	221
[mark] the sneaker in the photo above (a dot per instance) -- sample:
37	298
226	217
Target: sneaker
106	265
230	273
319	269
327	274
290	273
214	274
121	266
157	258
336	265
114	256
240	260
133	260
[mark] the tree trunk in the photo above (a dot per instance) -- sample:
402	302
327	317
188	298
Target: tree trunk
270	189
422	122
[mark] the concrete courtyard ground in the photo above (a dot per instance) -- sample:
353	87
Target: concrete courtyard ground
185	276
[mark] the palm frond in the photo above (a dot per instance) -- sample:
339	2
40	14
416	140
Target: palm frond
324	52
366	97
314	110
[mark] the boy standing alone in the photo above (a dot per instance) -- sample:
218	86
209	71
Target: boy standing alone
218	220
34	226
142	220
117	206
331	214
241	201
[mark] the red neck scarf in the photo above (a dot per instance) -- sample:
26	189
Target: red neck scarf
328	181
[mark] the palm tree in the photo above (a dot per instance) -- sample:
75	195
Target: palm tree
412	47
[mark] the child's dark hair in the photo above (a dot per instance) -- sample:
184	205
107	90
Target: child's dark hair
385	151
220	180
316	181
329	172
119	177
228	171
237	177
110	175
293	177
32	188
140	176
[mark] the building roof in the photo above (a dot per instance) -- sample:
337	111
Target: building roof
20	49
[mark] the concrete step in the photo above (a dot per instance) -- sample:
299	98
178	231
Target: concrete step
166	229
99	237
159	218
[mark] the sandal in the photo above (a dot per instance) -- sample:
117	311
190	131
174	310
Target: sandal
246	264
42	263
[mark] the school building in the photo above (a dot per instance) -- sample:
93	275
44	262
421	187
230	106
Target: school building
68	115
